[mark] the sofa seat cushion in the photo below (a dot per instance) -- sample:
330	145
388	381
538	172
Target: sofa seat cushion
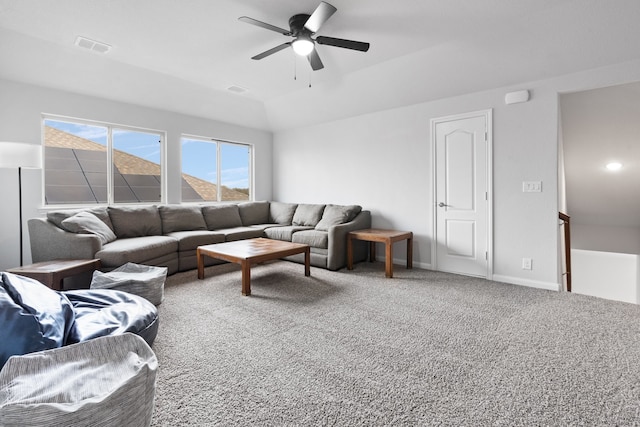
32	317
254	213
181	218
308	215
101	312
265	226
221	216
190	240
135	221
136	249
284	232
239	233
314	238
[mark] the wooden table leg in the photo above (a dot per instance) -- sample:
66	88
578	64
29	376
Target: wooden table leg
246	278
307	262
410	251
200	264
349	253
388	258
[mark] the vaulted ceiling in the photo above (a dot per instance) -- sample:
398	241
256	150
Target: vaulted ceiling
184	55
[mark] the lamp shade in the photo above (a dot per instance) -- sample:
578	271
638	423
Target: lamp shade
20	154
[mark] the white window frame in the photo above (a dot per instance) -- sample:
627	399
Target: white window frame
218	183
110	127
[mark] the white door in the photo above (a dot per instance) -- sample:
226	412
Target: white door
462	193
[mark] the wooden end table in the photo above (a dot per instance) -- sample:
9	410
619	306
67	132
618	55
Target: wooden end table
252	251
52	273
388	237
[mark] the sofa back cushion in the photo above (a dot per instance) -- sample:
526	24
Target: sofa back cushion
87	223
254	213
220	217
57	217
337	214
281	213
181	218
135	221
308	214
33	317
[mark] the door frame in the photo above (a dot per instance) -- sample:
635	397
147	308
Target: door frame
488	115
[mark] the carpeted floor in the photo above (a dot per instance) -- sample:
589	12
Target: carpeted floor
424	348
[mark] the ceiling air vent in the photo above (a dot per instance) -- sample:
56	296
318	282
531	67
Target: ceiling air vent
237	89
92	45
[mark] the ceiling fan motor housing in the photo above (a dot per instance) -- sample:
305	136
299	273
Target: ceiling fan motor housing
296	23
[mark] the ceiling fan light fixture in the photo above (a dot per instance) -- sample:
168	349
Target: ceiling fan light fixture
614	166
302	46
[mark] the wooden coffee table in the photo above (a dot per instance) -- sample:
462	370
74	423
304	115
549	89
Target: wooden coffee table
52	273
251	251
388	237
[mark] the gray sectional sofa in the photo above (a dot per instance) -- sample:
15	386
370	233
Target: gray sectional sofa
168	235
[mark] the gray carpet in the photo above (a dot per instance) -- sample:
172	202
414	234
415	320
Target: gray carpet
424	348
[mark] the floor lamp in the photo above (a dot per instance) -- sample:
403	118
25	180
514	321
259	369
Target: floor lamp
20	155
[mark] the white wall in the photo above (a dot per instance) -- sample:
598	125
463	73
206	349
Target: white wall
22	106
605	238
605	275
382	161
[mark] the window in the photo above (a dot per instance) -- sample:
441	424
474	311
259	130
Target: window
209	165
100	164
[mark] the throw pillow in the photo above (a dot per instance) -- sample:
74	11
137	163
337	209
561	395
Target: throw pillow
181	218
337	214
57	217
308	214
88	223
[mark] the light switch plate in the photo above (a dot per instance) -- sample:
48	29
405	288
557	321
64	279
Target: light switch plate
532	186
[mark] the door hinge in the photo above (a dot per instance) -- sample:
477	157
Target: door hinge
486	256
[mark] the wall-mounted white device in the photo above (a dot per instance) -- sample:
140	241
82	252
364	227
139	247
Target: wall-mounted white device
516	97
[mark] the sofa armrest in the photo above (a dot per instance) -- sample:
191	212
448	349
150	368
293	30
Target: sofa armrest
337	254
50	242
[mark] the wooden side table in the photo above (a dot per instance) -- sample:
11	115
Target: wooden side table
52	273
388	237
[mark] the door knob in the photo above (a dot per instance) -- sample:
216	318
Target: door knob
442	205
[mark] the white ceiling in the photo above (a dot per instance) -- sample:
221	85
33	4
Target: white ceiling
183	55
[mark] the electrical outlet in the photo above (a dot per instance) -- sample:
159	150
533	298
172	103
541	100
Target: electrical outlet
527	264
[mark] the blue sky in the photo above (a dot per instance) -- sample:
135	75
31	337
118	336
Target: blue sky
198	156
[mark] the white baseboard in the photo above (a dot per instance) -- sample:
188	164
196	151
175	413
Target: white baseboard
526	282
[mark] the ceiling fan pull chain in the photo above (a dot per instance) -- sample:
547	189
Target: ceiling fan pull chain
295	68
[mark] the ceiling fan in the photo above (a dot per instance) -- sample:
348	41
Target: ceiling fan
302	28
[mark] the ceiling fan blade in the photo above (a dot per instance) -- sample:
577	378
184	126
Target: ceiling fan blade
272	51
319	16
314	60
264	25
347	44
